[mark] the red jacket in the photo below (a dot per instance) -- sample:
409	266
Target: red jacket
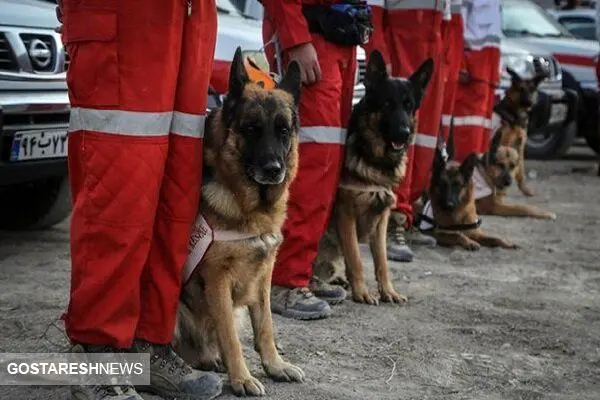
289	21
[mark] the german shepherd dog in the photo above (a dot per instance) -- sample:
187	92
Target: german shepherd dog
380	129
513	111
498	167
250	159
451	193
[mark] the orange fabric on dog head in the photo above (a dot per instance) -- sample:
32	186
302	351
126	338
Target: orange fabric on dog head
258	76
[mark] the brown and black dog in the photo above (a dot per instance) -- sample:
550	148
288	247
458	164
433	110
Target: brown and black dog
250	159
513	111
498	168
452	202
379	133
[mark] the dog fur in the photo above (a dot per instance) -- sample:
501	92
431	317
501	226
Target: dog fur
499	167
514	110
250	159
453	202
381	128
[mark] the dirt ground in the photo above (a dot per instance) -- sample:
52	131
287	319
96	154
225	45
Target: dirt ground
496	324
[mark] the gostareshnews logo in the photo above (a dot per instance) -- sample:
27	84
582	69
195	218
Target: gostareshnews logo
74	369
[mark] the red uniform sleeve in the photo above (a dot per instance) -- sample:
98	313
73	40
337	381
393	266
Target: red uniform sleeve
289	22
377	40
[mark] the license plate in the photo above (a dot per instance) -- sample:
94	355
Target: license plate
40	144
558	113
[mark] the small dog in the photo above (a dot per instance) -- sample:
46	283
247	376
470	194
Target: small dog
380	130
250	159
513	112
450	214
498	168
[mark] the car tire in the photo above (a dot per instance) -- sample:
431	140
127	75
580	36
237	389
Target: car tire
35	206
553	146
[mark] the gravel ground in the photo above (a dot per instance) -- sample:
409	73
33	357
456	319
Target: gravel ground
496	324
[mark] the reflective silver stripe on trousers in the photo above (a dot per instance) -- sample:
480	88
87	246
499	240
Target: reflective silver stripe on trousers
136	123
472	120
322	135
427	141
437	5
190	125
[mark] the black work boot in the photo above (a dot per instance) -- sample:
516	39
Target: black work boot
172	378
101	392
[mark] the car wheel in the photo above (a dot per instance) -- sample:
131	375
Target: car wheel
36	205
543	144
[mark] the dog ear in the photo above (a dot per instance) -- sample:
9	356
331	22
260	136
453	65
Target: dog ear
376	70
292	81
516	78
238	77
420	78
438	164
468	166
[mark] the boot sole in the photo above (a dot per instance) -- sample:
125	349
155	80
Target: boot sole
304	316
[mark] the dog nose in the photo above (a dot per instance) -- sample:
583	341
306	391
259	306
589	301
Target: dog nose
450	205
507	180
272	168
404	132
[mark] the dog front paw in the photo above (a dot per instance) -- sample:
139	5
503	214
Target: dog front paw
247	386
526	190
362	295
284	372
511	246
389	295
549	216
471	246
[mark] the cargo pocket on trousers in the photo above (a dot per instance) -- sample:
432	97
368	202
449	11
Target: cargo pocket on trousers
91	43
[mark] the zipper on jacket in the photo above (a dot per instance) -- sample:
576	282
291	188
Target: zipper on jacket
189	7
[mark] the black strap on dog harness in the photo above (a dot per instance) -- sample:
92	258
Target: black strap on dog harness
457	227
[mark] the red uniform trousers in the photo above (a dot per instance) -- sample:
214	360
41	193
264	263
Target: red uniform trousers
138	82
452	38
412	37
325	108
475	101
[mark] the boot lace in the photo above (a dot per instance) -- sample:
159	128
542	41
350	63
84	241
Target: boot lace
167	356
396	233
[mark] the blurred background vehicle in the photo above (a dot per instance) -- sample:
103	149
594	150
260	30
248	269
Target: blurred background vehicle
530	25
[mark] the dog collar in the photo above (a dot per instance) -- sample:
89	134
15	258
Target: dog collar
360	188
457	227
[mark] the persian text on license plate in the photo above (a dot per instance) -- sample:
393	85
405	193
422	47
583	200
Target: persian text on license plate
40	144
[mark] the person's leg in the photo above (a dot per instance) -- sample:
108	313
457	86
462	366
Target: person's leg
313	191
492	57
413	36
454	50
122	95
470	109
177	208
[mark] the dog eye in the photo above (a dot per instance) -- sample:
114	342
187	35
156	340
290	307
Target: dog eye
285	131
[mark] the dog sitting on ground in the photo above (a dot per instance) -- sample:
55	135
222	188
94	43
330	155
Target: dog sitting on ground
494	174
513	114
450	215
380	130
250	159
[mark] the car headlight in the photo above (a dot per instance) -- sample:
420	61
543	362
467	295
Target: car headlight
258	57
521	64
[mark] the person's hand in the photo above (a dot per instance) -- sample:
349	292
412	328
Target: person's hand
306	55
59	16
